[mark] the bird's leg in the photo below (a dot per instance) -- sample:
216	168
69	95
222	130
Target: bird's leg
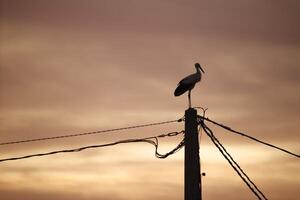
189	96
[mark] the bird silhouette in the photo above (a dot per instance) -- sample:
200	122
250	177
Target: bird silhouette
188	83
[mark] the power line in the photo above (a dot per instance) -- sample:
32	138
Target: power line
89	133
232	162
250	137
151	140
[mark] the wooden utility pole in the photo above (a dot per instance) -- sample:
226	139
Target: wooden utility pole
192	177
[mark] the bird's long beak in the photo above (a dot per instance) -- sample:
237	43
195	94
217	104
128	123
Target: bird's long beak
202	70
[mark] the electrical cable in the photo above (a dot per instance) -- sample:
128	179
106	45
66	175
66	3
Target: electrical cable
232	162
89	133
146	140
250	137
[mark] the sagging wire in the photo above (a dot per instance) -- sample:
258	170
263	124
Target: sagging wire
150	140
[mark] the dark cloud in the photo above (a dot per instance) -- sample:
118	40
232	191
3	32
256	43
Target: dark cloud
247	20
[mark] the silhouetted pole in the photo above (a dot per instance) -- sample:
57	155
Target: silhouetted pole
192	179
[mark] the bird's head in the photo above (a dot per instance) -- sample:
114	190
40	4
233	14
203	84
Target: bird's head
198	66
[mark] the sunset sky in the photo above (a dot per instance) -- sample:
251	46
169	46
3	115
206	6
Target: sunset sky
72	66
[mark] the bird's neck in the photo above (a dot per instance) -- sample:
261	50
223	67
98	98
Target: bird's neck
198	70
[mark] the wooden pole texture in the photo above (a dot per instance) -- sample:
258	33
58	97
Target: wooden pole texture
192	179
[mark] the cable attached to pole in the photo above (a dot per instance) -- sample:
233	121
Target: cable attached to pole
150	140
90	133
250	137
233	163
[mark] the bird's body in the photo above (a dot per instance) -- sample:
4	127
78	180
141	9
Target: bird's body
189	82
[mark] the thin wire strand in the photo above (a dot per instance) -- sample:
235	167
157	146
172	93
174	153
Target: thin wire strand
89	133
250	137
148	140
222	148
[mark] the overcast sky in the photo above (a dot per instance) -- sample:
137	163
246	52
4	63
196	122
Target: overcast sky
71	66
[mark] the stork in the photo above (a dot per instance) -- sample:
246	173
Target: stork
188	83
